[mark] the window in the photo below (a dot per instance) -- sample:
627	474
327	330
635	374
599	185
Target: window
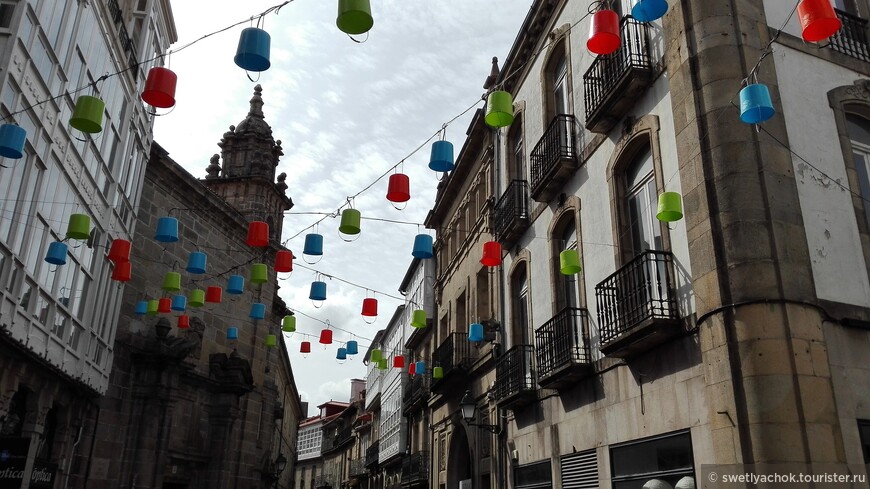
864	432
859	135
517	169
533	476
6	11
848	6
668	458
567	292
641	200
521	313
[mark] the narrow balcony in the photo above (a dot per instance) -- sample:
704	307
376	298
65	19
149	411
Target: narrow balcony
416	394
851	39
511	216
415	470
455	356
372	455
554	158
358	468
615	81
515	382
323	481
637	306
562	349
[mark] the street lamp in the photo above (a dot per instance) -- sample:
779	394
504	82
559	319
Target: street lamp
278	466
468	407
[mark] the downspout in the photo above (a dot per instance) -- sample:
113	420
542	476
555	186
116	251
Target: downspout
93	443
72	455
501	438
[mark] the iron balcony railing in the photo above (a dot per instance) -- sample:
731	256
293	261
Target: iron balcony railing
851	39
126	43
324	481
555	154
640	291
415	469
609	72
372	455
514	376
455	354
511	214
358	467
563	341
416	393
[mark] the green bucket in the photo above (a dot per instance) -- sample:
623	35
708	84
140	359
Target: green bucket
79	226
197	298
259	273
499	109
569	262
670	207
172	282
354	16
418	318
349	222
289	324
88	114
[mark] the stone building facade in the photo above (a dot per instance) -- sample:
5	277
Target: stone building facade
196	407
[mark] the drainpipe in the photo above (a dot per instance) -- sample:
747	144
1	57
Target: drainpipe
72	454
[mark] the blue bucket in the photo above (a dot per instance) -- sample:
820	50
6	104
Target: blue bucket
179	303
352	347
258	310
253	51
420	368
755	104
196	262
649	10
442	156
232	333
12	141
475	332
56	253
313	244
422	246
341	354
167	230
236	285
141	308
318	291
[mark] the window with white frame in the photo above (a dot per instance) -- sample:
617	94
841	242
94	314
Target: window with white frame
859	135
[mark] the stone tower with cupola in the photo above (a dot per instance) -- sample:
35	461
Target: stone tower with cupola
244	173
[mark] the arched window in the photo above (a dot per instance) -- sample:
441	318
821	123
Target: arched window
521	312
517	169
567	290
858	129
641	200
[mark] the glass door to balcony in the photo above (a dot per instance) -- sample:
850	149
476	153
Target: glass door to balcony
848	6
561	103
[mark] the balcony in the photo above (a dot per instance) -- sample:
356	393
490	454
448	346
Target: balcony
323	481
358	468
615	81
455	355
415	396
511	215
637	306
554	159
415	470
126	43
372	456
562	349
851	39
515	382
336	439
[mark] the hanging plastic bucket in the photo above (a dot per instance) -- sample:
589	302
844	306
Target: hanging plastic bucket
123	272
441	158
305	347
318	291
398	361
79	226
142	308
422	247
354	16
341	354
491	254
213	294
236	285
12	139
421	368
398	188
604	34
649	10
412	368
196	262
475	332
313	244
271	341
326	337
376	355
167	230
252	53
259	273
670	207
197	298
184	321
232	333
119	251
352	347
153	305
288	324
499	109
370	307
160	87
818	20
172	282
569	262
56	253
438	373
179	303
284	261
350	219
382	364
88	114
258	311
164	305
418	318
755	104
258	234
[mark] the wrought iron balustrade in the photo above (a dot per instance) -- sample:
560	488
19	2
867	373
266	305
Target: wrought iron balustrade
511	215
562	347
515	381
324	481
358	467
554	157
415	469
417	392
372	455
851	39
455	354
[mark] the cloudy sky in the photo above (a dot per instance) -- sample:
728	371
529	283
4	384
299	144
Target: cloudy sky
346	112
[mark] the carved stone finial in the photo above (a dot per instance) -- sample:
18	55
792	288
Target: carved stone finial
493	74
214	168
